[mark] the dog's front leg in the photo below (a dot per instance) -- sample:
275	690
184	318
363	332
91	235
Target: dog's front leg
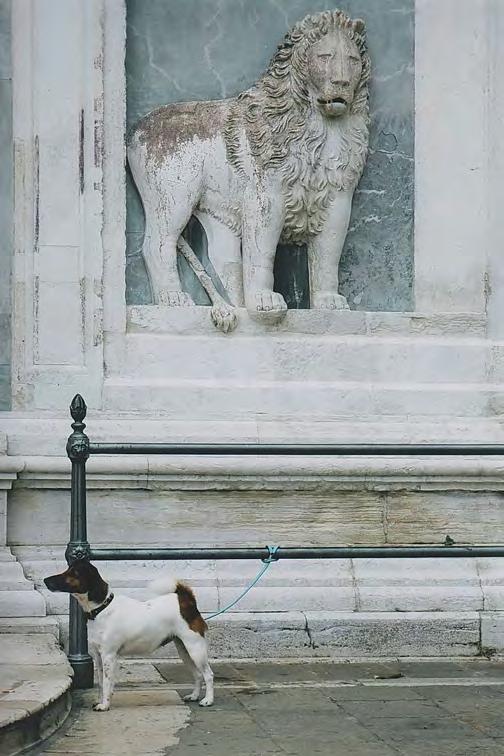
108	664
99	670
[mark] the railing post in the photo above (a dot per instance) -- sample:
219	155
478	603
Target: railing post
78	547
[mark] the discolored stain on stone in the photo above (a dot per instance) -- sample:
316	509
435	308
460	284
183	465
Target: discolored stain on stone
170	126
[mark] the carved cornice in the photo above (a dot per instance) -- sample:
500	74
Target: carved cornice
268	473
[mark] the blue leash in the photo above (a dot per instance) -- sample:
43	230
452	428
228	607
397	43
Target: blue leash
267	563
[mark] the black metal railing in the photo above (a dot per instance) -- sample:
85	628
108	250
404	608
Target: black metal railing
79	449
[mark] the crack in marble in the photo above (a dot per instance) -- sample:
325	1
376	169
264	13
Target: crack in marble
150	60
206	50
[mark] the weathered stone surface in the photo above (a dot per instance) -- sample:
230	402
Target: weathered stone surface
492	632
394	634
410	514
239	517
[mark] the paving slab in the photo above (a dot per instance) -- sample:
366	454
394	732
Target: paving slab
140	723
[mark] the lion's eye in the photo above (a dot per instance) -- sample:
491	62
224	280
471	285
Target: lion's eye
354	59
324	56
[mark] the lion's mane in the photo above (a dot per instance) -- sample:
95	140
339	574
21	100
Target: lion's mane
286	132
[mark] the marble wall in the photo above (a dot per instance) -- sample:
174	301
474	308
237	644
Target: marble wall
6	205
207	49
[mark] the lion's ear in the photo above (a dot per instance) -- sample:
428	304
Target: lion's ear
359	25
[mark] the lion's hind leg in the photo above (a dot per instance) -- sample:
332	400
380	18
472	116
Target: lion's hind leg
169	194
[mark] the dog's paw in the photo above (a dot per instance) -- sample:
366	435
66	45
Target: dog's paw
206	701
191	697
101	707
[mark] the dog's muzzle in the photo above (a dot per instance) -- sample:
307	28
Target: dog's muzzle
56	583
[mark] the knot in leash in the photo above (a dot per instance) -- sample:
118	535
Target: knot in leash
271	556
267	562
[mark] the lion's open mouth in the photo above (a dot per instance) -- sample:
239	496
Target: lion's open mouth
333	106
335	100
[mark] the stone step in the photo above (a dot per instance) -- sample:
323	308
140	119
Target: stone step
313	400
18	597
29	625
342	635
12	577
147	319
35	689
46	436
358	585
22	604
293	358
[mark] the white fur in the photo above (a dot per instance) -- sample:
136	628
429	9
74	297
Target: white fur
162	585
128	626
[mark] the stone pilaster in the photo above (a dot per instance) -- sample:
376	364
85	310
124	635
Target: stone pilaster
58	146
451	153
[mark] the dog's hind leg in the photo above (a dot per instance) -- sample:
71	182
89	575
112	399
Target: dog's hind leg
197	649
108	666
197	676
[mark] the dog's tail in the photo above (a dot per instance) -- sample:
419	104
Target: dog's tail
164	584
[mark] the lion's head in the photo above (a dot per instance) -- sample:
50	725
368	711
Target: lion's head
334	71
322	66
323	62
318	77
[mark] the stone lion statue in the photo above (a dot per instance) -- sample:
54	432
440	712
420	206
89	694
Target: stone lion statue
280	162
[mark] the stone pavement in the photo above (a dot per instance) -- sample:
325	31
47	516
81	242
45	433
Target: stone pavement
296	709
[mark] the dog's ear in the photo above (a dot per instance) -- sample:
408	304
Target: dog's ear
97	588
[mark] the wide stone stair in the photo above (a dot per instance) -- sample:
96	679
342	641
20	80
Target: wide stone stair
35	676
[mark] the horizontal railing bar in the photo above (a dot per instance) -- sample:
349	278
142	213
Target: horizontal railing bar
299	449
295	552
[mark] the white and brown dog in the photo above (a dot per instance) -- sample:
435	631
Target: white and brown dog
121	625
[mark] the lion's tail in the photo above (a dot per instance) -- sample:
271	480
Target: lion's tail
223	314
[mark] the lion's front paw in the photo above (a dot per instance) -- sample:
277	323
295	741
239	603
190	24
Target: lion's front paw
267	306
329	300
224	317
174	299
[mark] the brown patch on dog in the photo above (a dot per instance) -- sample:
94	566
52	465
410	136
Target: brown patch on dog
73	582
189	610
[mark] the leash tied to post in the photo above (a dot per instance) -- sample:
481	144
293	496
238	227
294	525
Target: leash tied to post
267	562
